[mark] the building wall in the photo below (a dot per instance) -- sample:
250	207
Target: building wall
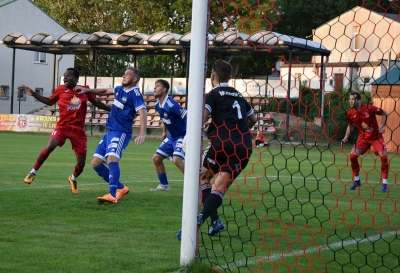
24	17
386	91
392	106
379	37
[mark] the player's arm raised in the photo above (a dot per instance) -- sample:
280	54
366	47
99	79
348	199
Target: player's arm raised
97	91
37	96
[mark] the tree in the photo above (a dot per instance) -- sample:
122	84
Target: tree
89	16
296	18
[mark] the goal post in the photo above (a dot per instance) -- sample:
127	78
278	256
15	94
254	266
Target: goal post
197	68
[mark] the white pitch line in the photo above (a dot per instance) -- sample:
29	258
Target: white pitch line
29	187
340	244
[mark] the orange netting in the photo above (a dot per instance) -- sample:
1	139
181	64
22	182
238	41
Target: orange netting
292	209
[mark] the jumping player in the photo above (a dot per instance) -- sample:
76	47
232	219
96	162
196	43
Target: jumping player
230	143
71	124
128	100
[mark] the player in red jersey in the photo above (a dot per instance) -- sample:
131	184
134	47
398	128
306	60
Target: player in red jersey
71	124
363	116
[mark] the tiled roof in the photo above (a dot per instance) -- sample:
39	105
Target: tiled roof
260	42
5	2
392	78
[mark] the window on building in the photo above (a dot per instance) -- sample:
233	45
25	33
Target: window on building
4	92
40	57
331	82
39	90
356	38
21	94
365	80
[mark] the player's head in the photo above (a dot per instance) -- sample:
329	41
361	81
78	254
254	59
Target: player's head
131	77
161	88
221	72
355	99
71	77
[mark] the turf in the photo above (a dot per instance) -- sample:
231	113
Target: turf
290	209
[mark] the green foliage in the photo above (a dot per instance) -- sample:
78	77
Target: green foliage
162	66
296	18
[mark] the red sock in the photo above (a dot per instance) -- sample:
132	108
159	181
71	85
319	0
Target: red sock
384	166
78	170
44	154
354	164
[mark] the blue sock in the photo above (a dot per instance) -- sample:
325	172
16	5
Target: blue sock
114	177
163	178
102	171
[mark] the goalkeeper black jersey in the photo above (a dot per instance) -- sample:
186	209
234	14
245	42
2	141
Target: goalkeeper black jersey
229	113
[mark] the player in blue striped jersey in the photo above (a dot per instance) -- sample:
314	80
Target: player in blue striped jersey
127	101
173	116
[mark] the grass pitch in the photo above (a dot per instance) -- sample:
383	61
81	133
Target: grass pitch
290	209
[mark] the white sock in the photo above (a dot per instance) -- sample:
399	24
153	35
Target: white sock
356	178
384	181
33	171
73	178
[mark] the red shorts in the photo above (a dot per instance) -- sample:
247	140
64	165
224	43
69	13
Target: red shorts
78	138
364	145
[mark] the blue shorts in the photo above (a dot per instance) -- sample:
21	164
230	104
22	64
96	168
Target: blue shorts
113	143
171	147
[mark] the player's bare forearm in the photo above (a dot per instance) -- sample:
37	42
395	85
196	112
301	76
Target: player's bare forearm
252	120
164	133
384	119
37	96
206	113
101	105
96	91
348	131
143	126
44	100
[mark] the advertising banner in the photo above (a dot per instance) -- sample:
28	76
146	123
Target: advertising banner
27	123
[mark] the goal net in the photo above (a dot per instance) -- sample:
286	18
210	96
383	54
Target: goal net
291	209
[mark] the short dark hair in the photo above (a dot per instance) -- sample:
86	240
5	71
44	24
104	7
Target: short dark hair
75	71
356	95
164	83
135	71
223	70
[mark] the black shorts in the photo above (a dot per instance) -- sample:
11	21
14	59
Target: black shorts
230	159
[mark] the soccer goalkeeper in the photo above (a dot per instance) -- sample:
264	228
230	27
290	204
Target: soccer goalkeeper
230	142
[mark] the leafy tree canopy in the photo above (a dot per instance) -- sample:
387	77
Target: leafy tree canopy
296	18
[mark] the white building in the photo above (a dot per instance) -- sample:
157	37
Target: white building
364	45
33	69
